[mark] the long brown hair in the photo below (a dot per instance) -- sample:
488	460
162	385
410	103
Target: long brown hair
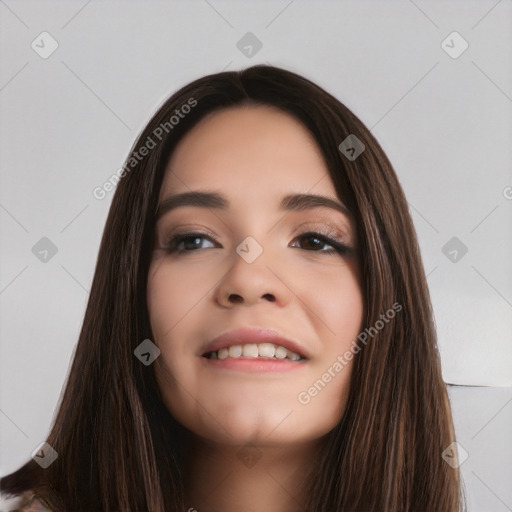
119	449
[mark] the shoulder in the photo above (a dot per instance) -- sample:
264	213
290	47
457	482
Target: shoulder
26	502
34	503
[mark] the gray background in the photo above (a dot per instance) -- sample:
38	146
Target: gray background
69	120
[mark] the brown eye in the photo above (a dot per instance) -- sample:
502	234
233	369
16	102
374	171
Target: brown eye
313	242
185	242
319	240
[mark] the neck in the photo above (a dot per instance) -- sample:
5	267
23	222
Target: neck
220	478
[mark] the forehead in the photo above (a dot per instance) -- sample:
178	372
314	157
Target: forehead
248	149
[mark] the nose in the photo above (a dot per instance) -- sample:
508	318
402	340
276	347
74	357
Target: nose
252	283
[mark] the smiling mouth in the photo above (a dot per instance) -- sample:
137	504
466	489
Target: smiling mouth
261	351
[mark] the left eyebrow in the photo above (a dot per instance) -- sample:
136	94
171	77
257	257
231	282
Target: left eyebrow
291	202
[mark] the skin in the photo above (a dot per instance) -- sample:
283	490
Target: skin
253	155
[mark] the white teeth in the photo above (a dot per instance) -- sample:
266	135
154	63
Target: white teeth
268	350
281	352
250	350
235	351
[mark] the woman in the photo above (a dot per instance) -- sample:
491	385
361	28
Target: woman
259	334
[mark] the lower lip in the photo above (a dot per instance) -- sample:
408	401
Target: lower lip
255	364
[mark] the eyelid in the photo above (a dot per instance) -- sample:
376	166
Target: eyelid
323	229
184	230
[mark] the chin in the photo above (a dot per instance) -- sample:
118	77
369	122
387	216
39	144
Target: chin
275	428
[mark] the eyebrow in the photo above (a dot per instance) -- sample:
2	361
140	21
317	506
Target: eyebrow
291	202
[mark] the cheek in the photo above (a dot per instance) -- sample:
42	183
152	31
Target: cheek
335	300
172	294
337	306
170	299
174	298
343	306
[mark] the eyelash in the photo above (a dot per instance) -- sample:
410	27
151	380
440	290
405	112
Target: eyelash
176	239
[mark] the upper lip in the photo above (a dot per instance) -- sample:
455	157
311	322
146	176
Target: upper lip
245	335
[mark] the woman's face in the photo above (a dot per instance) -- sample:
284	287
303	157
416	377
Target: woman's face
248	264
